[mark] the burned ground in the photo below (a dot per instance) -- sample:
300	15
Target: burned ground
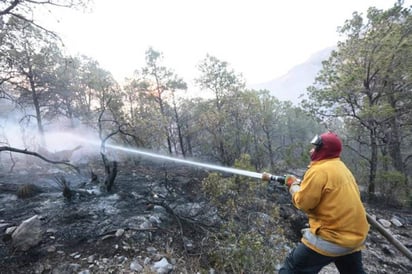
142	221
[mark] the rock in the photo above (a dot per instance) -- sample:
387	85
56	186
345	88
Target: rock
121	259
119	232
90	259
51	249
146	225
155	220
51	230
27	234
136	266
10	230
385	223
162	266
396	222
151	249
146	261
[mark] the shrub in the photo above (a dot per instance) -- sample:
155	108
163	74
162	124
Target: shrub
251	240
27	191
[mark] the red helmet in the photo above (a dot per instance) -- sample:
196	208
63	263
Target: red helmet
327	146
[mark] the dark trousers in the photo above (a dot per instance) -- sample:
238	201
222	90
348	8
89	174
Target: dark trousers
303	260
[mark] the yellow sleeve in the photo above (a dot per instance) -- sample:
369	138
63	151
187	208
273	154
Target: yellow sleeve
310	193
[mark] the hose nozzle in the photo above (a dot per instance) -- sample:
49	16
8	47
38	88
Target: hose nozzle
269	177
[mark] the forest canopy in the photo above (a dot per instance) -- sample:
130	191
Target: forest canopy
363	92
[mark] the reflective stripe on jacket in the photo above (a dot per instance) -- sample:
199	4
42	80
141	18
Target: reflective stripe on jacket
325	247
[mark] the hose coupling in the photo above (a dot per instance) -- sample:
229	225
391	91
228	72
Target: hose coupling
272	178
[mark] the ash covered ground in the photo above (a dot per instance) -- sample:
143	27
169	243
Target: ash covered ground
143	225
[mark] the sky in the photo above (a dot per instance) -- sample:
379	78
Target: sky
260	39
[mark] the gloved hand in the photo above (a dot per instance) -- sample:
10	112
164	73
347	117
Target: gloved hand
292	183
291	180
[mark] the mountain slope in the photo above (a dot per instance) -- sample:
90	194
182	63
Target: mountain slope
294	83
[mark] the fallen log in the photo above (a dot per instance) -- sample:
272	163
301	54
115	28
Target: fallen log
403	249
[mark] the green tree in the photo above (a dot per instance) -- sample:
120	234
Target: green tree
225	84
366	81
31	58
192	123
96	87
264	117
176	84
139	109
158	84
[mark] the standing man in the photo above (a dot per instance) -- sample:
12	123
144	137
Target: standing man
330	197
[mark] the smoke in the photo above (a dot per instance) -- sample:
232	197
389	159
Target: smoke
17	131
62	141
28	137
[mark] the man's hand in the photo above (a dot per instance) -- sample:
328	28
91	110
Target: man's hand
292	183
291	180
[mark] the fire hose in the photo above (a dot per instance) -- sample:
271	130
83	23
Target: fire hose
372	221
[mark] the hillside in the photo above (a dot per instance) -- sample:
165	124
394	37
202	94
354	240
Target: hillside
294	83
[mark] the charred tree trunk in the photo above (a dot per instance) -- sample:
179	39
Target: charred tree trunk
110	168
373	163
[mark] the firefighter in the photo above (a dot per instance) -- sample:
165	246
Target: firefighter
329	195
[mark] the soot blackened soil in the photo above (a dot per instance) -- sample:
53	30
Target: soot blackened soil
98	232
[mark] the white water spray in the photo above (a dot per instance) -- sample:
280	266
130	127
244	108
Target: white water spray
177	160
187	162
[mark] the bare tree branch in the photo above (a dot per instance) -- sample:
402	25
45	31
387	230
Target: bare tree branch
8	9
25	151
24	9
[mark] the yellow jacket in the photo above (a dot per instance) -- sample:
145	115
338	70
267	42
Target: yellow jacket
330	197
